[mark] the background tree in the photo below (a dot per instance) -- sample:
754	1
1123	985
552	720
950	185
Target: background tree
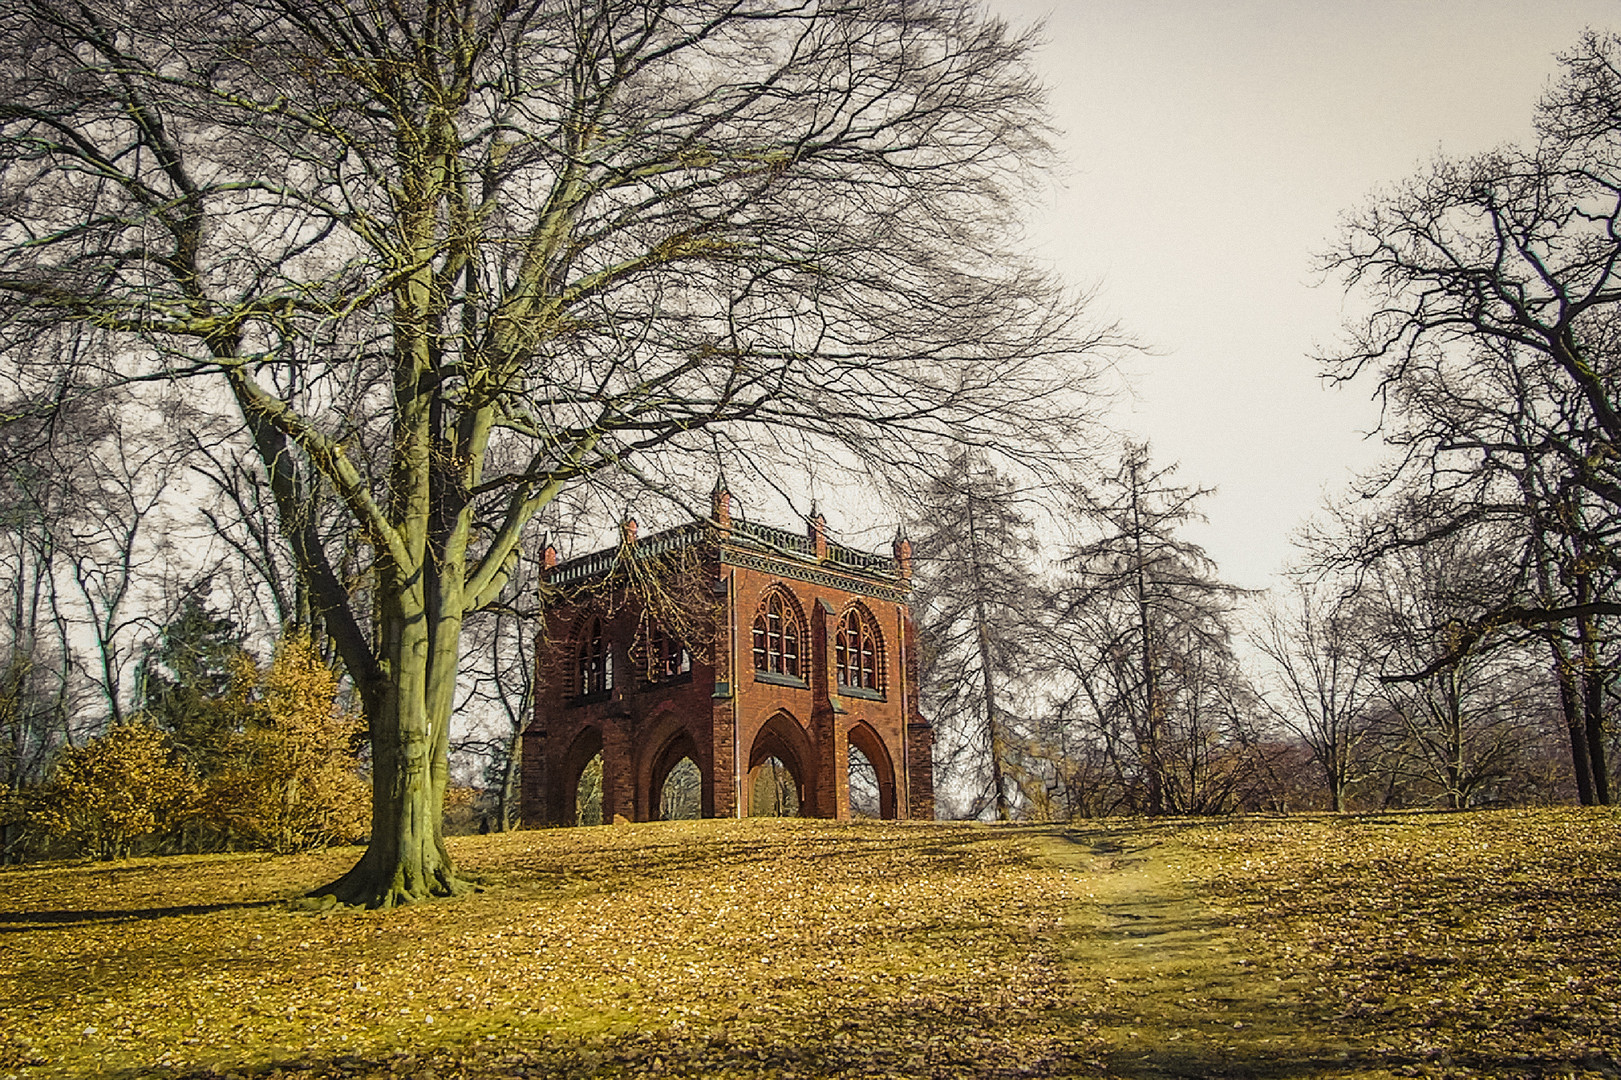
185	678
119	788
1462	730
1321	680
1141	631
407	244
290	780
976	600
1493	282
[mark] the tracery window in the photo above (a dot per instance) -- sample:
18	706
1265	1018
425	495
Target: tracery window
596	661
777	636
667	657
858	651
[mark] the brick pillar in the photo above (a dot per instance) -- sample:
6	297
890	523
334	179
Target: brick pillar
532	775
720	505
818	534
723	792
832	783
920	760
618	780
919	735
723	758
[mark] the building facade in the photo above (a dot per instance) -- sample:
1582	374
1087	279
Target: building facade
740	648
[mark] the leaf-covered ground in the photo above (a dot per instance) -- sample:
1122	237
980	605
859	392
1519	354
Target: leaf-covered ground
1434	945
1483	944
712	948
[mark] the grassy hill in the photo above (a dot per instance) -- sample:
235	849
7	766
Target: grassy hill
1398	945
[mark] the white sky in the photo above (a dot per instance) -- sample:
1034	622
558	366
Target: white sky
1211	148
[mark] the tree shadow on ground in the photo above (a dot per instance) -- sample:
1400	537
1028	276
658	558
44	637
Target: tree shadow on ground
12	922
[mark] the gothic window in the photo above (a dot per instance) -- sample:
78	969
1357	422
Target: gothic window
777	636
596	661
858	651
667	657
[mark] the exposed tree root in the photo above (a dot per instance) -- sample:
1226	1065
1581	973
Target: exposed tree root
365	887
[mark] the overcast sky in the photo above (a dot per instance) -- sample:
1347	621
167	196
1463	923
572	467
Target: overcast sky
1211	148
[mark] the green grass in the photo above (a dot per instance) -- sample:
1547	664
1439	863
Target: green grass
1434	945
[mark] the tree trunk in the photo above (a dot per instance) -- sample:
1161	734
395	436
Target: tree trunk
406	860
993	730
1570	704
1592	697
509	779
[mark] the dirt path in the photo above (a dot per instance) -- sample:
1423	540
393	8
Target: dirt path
1173	985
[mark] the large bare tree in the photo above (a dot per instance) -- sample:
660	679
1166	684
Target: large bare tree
406	241
1495	283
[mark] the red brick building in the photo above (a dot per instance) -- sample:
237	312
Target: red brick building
802	651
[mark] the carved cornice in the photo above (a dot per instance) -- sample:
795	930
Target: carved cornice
814	575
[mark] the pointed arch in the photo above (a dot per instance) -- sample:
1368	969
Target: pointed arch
782	737
862	737
593	671
670	744
587	745
858	651
781	635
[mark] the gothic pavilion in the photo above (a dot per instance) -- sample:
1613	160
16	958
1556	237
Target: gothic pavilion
804	649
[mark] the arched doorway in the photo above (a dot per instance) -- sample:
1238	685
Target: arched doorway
582	779
871	774
781	780
675	780
773	790
863	777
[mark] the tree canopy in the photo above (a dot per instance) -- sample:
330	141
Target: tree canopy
442	260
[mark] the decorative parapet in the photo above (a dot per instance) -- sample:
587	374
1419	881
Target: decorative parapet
740	537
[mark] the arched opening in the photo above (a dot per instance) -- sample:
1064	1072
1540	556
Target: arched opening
863	785
781	779
582	779
588	793
681	798
671	778
773	790
878	773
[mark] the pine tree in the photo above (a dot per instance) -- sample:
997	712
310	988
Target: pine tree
184	679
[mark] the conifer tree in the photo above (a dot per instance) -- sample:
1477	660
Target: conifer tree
184	678
1143	624
976	601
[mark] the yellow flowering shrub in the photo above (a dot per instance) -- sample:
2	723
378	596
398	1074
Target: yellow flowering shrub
118	789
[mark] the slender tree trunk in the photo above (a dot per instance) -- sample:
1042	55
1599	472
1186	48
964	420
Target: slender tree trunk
993	731
509	781
1592	696
1153	712
1570	704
